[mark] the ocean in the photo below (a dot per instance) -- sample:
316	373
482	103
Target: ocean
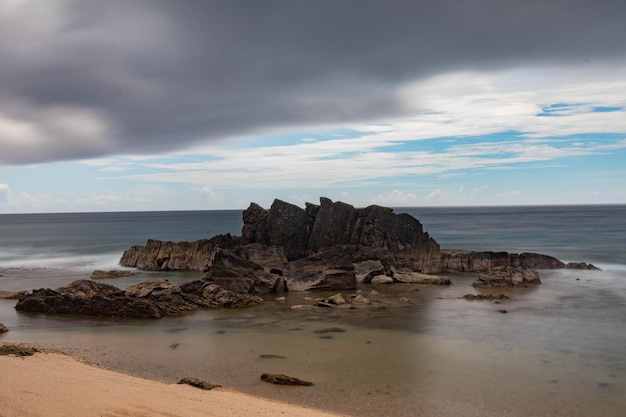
558	350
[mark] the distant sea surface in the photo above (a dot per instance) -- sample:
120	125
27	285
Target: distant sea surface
558	350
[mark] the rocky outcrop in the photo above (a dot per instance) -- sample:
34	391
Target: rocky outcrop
468	261
307	231
153	299
157	255
508	276
330	246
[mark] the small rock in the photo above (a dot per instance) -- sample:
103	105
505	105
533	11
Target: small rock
3	328
198	383
337	299
382	279
502	311
485	297
281	298
17	350
330	330
360	299
282	379
322	303
270	356
404	299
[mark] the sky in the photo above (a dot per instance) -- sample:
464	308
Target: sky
198	105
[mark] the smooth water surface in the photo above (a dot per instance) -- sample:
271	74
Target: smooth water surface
557	351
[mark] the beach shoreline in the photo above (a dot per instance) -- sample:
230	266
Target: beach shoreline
52	383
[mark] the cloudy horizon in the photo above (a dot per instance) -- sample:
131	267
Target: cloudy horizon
158	105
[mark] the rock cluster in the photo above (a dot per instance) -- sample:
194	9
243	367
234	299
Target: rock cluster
330	246
153	299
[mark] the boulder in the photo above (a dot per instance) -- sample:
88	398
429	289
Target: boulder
382	279
329	270
508	276
240	275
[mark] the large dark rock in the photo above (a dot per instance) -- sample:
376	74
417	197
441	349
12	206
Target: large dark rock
284	225
241	275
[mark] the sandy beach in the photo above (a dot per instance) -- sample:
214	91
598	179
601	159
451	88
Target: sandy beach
53	384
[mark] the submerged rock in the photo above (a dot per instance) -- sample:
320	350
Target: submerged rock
508	277
485	297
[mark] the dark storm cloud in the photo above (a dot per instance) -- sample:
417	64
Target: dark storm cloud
151	76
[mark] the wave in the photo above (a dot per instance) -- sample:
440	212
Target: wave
26	259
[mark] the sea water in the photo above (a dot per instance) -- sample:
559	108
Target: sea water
559	350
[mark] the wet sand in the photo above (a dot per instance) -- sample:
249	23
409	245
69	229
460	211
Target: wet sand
54	384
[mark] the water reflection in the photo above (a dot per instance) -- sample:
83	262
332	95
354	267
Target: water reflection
557	351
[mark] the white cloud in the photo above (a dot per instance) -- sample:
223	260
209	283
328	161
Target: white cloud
396	198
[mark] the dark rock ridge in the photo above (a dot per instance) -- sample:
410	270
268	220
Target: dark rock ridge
330	246
153	299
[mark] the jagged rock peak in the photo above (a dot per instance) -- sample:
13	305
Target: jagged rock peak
305	231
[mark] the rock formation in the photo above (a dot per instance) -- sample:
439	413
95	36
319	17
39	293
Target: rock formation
153	299
330	246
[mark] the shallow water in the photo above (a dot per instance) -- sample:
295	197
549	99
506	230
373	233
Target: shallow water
557	351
